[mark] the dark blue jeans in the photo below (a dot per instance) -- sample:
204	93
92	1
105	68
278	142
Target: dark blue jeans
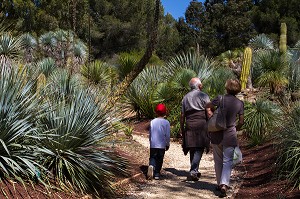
156	159
195	157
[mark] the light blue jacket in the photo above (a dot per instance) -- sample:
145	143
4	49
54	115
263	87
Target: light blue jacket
159	133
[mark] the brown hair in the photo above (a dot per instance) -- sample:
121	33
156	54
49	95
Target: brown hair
233	86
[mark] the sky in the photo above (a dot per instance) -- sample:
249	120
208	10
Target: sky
176	7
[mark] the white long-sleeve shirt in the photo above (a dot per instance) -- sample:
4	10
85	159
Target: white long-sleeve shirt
159	133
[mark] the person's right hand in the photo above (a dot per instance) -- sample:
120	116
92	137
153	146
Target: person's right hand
206	150
167	148
179	134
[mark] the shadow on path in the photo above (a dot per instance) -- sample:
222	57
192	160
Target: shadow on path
177	172
199	185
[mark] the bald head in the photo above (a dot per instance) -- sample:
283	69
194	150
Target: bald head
195	83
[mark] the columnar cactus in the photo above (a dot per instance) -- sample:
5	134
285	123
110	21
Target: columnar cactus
246	66
282	42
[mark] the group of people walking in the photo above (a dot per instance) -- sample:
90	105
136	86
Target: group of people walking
197	108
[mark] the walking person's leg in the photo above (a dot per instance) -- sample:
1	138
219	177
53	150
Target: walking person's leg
218	160
228	153
152	163
159	163
196	155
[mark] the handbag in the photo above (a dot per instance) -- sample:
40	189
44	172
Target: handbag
218	121
237	156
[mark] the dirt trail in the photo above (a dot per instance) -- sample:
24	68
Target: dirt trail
173	184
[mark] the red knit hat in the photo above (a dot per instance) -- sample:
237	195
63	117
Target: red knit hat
160	109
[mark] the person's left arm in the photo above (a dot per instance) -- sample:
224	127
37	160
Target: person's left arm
241	117
168	132
209	107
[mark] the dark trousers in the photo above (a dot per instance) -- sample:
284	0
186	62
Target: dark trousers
195	157
156	159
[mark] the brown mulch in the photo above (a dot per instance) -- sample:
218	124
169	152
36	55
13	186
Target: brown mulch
258	173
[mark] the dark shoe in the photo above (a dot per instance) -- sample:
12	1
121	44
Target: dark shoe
218	188
156	176
198	175
150	172
192	177
223	190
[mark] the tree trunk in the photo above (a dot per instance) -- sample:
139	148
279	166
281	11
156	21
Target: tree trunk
122	87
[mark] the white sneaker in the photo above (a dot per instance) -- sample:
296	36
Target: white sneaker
150	172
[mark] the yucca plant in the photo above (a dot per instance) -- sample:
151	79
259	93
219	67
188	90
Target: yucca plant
126	62
215	85
80	53
19	109
10	49
270	70
45	66
294	69
48	43
140	97
202	65
261	120
289	158
261	42
72	130
30	45
100	74
62	84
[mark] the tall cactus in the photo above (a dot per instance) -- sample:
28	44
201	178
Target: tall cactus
246	66
282	41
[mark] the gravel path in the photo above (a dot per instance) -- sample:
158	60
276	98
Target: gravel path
173	184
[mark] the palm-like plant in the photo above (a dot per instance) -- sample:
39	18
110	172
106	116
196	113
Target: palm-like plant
100	74
61	84
290	147
71	132
177	86
80	52
270	70
215	85
30	45
46	66
294	70
126	62
202	65
140	97
231	58
9	49
261	119
19	109
261	42
48	43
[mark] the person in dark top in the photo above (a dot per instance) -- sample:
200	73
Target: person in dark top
193	126
224	142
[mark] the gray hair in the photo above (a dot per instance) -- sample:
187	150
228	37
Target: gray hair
194	83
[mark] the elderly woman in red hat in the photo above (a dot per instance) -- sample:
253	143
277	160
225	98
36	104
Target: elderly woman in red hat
159	137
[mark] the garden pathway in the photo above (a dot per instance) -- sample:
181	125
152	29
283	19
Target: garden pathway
173	184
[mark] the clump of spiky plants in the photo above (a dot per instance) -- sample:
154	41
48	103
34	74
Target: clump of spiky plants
19	109
290	147
72	128
261	120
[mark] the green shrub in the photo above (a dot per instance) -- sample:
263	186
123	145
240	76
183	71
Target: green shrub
261	120
289	159
174	119
19	108
70	148
128	130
